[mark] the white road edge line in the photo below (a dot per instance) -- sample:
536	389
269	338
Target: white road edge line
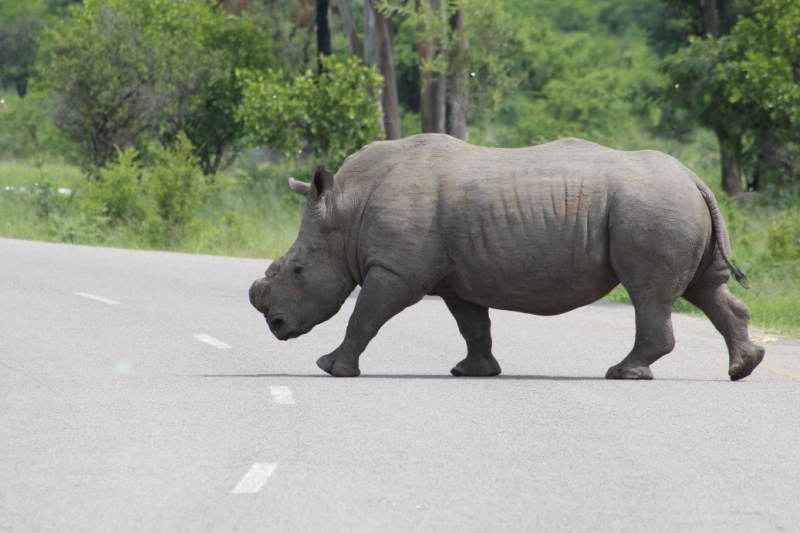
255	478
211	340
281	394
98	298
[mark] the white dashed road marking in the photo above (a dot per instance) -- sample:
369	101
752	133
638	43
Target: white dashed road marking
98	298
211	340
255	478
281	394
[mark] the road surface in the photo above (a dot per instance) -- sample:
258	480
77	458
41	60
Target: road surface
139	391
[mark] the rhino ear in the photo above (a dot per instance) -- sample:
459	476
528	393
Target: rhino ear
298	186
321	181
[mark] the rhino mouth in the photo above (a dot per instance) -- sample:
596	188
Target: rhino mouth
282	330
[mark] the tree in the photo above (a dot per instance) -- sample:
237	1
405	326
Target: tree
20	25
17	54
763	74
466	60
336	113
703	20
391	107
743	86
126	73
431	35
458	80
349	25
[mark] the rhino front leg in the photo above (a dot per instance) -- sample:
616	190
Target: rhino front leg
383	295
475	326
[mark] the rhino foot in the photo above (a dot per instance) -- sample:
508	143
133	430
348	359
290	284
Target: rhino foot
477	366
744	365
623	371
330	364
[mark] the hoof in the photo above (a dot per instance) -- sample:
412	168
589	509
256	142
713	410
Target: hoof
335	368
744	366
621	371
477	367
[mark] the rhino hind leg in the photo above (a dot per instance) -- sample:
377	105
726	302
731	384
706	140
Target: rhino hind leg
731	317
654	339
475	326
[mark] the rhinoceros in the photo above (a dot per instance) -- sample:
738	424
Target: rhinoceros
541	230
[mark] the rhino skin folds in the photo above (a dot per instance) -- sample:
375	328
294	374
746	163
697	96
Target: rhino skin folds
539	230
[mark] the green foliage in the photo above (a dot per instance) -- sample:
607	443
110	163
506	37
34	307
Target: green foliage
160	200
128	72
21	22
174	190
26	132
336	113
698	82
783	238
213	128
764	81
494	61
577	84
748	83
115	192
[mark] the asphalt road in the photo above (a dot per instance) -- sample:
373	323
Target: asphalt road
117	417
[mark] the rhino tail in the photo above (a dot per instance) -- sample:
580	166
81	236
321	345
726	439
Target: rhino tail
720	231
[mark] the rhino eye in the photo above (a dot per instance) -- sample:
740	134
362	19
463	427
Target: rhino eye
297	270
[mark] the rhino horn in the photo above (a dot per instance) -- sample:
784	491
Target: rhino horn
299	187
259	295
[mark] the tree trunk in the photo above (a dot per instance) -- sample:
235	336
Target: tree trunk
709	10
350	29
727	17
458	83
22	87
432	84
323	31
391	106
371	49
370	41
731	179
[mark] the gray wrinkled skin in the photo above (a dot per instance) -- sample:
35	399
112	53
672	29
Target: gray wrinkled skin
539	230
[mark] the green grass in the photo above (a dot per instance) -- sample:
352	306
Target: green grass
255	215
250	216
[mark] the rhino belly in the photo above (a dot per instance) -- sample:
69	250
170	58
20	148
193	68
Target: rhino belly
532	248
536	286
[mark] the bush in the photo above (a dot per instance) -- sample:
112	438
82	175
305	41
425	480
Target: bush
783	237
26	132
174	190
116	191
160	200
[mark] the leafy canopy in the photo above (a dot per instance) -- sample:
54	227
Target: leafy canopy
749	84
126	72
335	114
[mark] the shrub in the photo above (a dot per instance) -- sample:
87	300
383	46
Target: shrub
783	237
158	199
26	132
115	192
174	190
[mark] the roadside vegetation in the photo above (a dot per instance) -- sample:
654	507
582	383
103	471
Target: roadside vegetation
182	138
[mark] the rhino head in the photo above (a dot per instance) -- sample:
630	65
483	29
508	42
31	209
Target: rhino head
309	284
